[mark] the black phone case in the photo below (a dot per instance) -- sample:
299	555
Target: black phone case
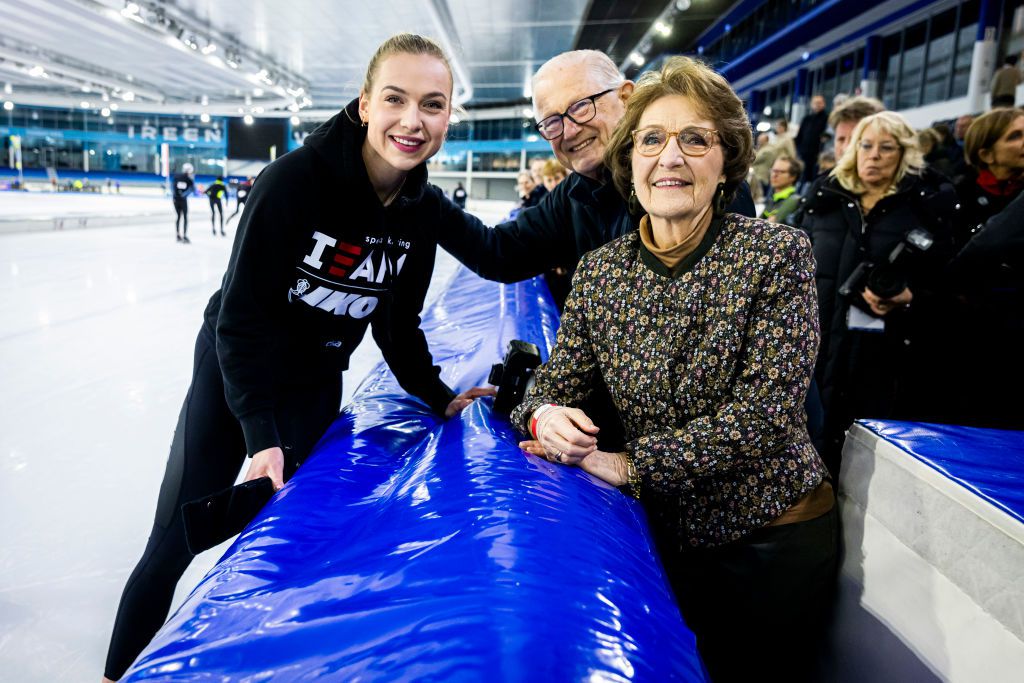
212	520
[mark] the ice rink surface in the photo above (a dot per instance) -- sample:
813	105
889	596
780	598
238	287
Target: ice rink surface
97	328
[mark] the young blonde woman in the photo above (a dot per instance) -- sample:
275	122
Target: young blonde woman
304	282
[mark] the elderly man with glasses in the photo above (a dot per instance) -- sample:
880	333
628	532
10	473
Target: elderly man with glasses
579	98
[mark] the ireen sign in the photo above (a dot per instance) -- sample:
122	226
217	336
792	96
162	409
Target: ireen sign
176	134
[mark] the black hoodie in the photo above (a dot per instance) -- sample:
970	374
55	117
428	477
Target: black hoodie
306	278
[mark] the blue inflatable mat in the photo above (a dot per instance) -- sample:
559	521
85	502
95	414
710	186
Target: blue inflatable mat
411	549
989	462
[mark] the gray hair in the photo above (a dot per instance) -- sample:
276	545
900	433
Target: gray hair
599	65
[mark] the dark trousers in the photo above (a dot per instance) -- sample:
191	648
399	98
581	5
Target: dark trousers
215	207
758	606
181	215
207	452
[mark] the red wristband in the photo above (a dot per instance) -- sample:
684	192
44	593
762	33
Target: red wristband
533	418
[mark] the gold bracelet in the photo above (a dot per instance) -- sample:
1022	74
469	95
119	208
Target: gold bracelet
632	477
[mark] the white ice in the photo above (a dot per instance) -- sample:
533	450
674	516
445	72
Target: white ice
96	334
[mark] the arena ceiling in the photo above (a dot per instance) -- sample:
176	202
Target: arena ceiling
273	57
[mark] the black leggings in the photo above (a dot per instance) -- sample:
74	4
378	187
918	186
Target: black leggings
181	211
207	452
238	207
215	206
759	605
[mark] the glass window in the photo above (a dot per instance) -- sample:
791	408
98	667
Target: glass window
890	67
496	161
448	161
912	74
940	57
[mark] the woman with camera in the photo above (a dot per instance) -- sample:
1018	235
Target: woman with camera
882	231
702	323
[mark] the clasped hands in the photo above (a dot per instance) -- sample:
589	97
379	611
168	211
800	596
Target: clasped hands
567	436
881	307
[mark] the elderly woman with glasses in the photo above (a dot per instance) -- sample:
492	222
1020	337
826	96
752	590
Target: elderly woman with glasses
882	231
703	325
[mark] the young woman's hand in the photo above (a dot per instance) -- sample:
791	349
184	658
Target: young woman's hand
268	463
467	397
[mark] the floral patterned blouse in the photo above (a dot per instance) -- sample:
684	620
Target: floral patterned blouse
708	366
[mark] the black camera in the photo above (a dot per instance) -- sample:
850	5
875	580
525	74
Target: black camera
889	278
514	375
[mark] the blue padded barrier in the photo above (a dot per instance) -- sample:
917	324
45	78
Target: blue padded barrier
411	549
989	462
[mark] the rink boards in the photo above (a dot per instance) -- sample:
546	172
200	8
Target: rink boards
932	583
410	549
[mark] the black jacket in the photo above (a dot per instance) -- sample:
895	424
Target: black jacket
579	215
861	374
182	186
808	138
306	278
977	206
216	191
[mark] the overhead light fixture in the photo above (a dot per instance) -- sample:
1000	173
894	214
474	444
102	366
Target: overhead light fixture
128	96
204	117
527	112
105	111
453	119
83	104
682	5
258	110
110	120
209	49
8	88
133	11
764	127
114	106
805	56
636	58
37	72
232	61
295	120
258	92
8	105
248	119
663	28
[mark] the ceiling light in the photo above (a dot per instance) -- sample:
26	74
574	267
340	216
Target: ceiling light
114	106
132	11
636	58
295	120
8	89
204	100
128	96
805	56
248	119
37	72
527	112
453	119
764	127
295	92
110	120
663	28
209	49
204	117
83	104
105	111
682	5
8	105
258	92
232	61
86	88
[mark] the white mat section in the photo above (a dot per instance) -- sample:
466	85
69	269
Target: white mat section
939	567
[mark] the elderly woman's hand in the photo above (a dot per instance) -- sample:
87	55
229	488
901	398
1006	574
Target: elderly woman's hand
564	435
881	307
611	467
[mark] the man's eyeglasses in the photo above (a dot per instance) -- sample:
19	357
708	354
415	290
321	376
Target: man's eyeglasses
578	112
693	141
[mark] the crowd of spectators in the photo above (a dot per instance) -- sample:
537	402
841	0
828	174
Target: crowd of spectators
918	238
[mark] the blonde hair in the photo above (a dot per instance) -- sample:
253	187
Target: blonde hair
405	44
890	123
553	168
712	97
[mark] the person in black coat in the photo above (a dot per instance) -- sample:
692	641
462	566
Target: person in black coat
877	346
305	281
808	138
994	150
